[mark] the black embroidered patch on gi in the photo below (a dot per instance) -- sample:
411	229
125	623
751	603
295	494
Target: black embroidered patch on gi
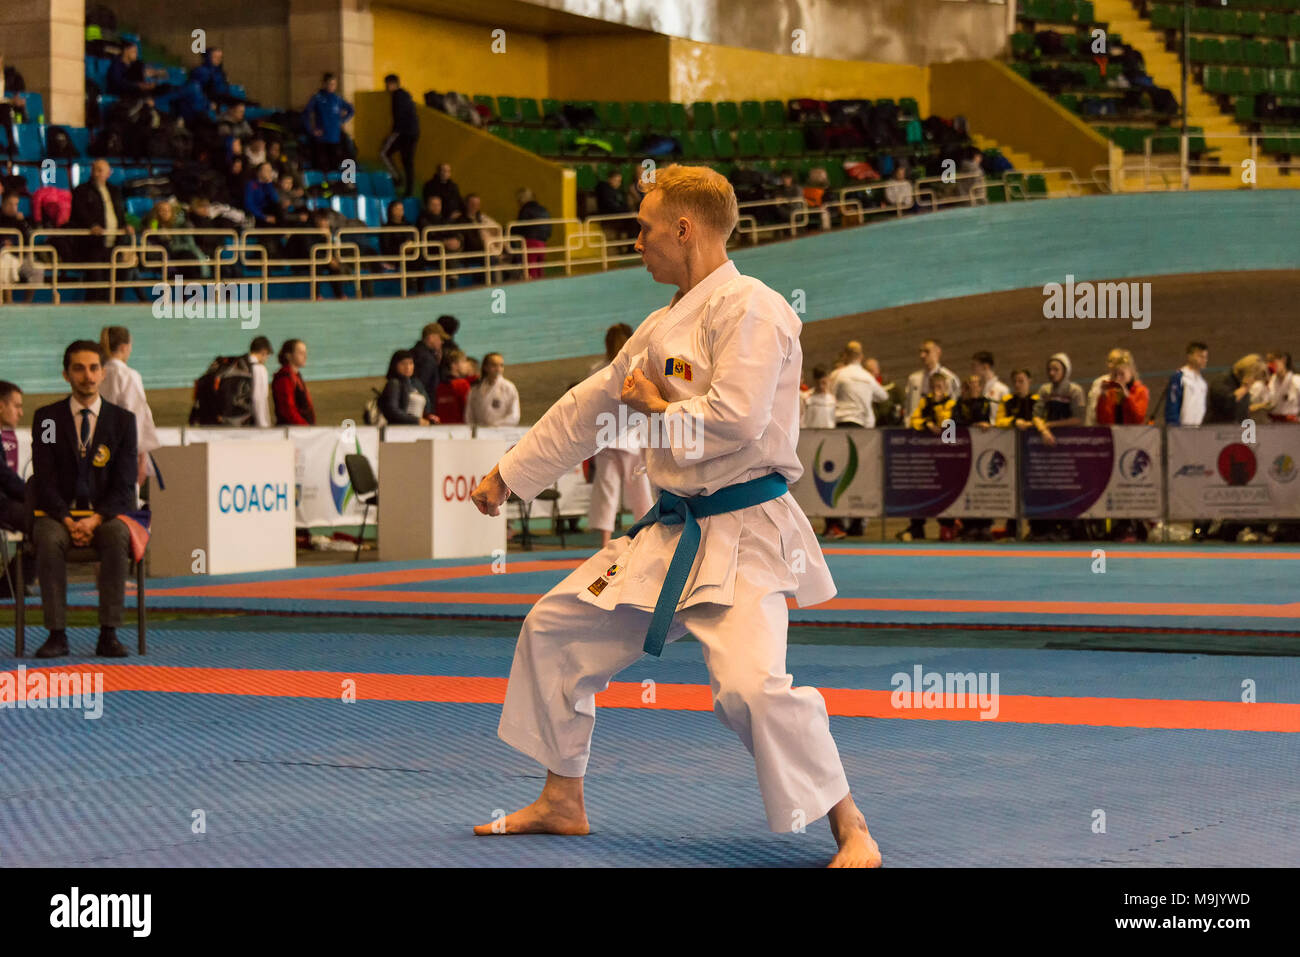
597	586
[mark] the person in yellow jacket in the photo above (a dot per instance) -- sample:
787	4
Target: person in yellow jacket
934	409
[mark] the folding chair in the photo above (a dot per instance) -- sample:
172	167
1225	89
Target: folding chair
551	495
364	483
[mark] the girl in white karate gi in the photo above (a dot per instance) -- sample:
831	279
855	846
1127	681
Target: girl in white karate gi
619	470
124	386
718	371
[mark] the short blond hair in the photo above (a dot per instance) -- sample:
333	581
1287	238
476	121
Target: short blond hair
698	193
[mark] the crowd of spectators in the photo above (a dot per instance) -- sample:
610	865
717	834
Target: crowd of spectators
855	393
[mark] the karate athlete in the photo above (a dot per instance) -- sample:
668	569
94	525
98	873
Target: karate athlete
718	371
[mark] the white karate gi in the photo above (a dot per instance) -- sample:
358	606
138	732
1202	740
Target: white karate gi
739	341
618	475
492	405
124	386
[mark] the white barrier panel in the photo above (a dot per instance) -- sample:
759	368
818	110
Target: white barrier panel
220	433
227	509
420	433
574	489
841	473
1214	474
425	489
170	435
323	494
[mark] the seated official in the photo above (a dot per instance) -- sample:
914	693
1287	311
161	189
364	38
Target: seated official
84	458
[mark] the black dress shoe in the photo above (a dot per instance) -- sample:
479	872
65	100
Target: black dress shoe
109	647
56	646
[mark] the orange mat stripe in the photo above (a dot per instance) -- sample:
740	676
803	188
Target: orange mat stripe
844	702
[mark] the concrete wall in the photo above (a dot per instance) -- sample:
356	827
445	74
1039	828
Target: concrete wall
45	40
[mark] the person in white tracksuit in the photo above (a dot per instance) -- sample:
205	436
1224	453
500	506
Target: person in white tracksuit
717	373
619	470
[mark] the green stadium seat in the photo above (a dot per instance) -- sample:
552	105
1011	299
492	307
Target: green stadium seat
528	111
773	142
508	109
1224	21
747	144
1244	109
702	144
683	139
723	147
908	108
638	115
1213	80
1092	76
773	113
995	190
1235	80
612	115
702	115
1293	30
630	172
1234	50
1259	81
1252	22
617	143
634	139
727	115
1275	54
482	99
677	118
548	142
528	139
1254	50
793	142
1275	24
1085	12
604	169
586	177
751	114
1064	11
1070	101
1070	42
550	108
1022	69
657	112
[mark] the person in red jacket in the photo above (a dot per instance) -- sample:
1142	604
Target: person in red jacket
1123	399
292	400
453	393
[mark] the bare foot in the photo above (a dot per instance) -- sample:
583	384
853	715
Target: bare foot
559	810
857	847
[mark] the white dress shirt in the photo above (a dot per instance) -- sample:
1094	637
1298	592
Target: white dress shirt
261	393
855	389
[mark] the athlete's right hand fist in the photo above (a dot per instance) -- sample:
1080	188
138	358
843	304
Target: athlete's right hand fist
491	493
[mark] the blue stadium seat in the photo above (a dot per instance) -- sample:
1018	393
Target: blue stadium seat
106	102
373	210
138	205
33	176
347	205
254	113
411	206
80	174
25	206
381	185
312	177
97	70
177	75
35	107
80	139
31	141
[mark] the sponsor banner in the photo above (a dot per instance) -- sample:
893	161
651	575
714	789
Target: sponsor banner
1094	472
418	433
971	476
323	493
1214	474
219	433
841	473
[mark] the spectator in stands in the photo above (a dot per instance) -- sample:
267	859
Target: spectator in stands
237	179
991	387
453	392
1283	388
97	206
261	198
129	77
325	115
427	353
259	350
932	414
403	136
283	165
481	230
899	192
88	463
1114	358
432	216
292	400
292	201
391	243
856	391
612	201
1061	404
335	277
443	186
205	214
1229	393
889	412
193	106
1123	398
918	382
1187	390
404	401
970	178
1016	411
493	399
787	189
255	153
123	386
9	104
975	410
210	76
450	326
818	403
232	123
15	269
816	195
14	514
535	237
181	247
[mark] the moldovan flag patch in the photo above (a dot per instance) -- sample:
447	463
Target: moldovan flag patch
678	367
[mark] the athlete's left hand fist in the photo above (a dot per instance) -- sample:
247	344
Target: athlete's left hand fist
641	394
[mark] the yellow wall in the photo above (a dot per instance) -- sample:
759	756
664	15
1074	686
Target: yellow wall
605	67
1003	105
430	53
706	71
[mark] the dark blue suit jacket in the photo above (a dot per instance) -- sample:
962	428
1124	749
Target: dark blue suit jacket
112	461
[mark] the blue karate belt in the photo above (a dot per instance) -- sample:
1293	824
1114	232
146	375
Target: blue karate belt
679	510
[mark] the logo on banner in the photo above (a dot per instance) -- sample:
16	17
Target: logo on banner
991	465
340	483
831	476
1237	464
1282	469
1134	464
1193	470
